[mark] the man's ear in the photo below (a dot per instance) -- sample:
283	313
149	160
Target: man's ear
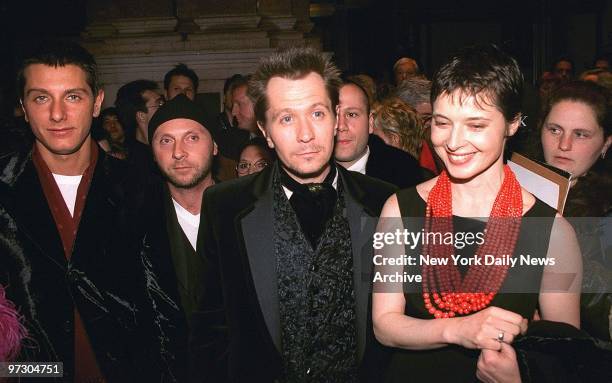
606	146
215	148
371	123
98	103
262	129
336	124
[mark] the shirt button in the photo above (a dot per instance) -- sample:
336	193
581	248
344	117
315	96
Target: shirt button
308	371
68	327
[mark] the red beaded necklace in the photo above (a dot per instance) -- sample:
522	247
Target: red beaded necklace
445	293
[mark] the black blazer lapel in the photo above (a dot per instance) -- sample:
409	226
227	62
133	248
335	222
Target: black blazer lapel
177	241
362	226
27	203
97	212
256	226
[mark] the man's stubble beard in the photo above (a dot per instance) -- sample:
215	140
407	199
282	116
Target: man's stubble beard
194	181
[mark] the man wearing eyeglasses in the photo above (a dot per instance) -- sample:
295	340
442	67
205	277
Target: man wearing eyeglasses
255	156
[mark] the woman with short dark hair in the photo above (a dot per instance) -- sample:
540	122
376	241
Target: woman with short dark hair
458	323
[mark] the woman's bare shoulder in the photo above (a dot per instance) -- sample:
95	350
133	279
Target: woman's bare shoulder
528	200
424	188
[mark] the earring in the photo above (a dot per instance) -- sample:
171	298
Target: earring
603	155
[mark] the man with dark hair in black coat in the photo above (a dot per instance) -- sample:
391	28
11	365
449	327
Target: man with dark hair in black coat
358	150
137	102
68	259
290	246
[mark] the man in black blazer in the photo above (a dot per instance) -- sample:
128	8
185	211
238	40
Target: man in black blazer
357	149
292	244
167	208
68	257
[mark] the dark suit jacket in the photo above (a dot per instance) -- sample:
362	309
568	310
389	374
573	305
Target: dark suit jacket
229	139
393	165
106	278
237	240
167	248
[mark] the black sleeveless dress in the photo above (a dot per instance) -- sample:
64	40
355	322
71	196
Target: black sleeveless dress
454	363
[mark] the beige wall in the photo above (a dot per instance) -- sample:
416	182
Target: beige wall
134	39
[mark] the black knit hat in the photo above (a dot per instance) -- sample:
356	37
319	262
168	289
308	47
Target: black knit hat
180	107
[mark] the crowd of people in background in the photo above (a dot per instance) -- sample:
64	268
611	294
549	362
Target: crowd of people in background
401	112
134	239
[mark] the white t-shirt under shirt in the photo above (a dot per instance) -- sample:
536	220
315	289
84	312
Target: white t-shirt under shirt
68	186
190	223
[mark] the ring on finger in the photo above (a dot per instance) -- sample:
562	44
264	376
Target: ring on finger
500	336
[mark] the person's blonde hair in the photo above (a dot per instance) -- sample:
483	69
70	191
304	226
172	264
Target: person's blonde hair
394	116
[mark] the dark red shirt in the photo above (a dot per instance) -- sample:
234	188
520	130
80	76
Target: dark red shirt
85	364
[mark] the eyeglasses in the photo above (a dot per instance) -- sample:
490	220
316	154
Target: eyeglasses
159	102
244	167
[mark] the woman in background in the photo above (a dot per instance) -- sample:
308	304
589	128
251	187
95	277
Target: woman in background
114	133
254	157
576	133
398	125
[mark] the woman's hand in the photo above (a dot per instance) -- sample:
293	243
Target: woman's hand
498	366
485	329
